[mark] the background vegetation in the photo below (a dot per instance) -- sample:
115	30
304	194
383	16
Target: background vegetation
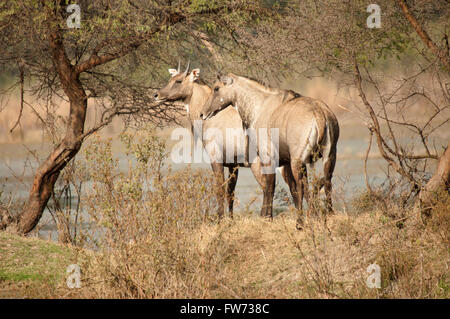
150	232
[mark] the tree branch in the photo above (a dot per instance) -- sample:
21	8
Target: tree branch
95	60
376	126
441	54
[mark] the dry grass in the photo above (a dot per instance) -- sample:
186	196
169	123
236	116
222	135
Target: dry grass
249	257
166	246
252	258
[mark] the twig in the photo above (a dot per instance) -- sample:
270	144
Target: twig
366	179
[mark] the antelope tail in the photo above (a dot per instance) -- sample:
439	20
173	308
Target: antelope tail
321	123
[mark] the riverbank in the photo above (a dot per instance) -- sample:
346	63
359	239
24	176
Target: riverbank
248	257
32	267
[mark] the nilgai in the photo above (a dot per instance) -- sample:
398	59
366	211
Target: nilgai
307	130
189	88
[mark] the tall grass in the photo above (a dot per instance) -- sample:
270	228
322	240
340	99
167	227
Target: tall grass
156	237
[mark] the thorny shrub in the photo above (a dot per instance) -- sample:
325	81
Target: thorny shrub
141	220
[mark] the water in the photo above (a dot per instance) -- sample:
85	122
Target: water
17	167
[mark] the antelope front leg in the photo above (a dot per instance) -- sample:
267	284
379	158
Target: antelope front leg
269	190
267	183
218	170
231	185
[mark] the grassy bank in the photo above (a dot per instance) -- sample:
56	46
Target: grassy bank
247	257
31	267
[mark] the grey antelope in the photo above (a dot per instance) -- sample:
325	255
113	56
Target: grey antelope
307	130
189	88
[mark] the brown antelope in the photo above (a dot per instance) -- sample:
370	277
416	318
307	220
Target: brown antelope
307	130
189	88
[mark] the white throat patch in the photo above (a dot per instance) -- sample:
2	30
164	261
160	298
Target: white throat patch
187	107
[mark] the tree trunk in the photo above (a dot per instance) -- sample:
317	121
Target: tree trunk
438	183
48	172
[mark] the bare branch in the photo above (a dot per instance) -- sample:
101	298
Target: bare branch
440	53
376	126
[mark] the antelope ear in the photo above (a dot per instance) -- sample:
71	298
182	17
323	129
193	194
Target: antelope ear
227	80
173	72
195	74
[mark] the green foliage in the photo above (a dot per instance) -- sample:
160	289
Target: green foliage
150	148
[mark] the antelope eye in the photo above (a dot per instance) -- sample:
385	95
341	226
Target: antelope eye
178	81
216	89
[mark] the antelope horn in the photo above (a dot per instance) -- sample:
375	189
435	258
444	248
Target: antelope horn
178	66
187	67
